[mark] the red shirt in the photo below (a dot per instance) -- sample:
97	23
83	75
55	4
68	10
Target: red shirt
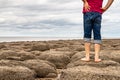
95	5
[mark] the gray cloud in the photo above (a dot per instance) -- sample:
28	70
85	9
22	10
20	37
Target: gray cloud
48	17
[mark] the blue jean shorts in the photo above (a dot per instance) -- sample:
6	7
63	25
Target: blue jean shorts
92	24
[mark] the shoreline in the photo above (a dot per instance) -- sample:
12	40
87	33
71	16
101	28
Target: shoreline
17	39
24	39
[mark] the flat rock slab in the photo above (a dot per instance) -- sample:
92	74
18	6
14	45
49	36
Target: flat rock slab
103	63
91	73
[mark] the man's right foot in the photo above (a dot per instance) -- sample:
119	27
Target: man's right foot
85	59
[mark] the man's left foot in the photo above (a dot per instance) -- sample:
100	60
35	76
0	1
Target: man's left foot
98	60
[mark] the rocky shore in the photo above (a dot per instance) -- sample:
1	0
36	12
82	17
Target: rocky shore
58	60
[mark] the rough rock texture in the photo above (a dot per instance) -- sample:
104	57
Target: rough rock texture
11	63
16	73
46	59
64	50
20	56
42	68
36	53
101	64
77	56
59	59
113	55
91	73
108	59
2	46
57	44
113	44
54	45
77	47
40	47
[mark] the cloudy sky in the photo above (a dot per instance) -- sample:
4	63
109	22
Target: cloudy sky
52	18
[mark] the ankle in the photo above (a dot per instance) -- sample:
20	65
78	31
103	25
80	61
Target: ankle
97	58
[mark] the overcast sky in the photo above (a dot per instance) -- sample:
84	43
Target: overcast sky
52	18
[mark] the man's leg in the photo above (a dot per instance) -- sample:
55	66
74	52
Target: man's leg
87	35
87	52
97	52
97	35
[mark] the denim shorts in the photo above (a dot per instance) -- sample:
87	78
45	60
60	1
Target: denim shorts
92	24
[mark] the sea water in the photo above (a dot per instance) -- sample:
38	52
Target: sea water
14	39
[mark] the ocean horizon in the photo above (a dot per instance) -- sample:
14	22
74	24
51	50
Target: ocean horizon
15	39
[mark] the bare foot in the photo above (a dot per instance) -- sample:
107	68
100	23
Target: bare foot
85	59
98	60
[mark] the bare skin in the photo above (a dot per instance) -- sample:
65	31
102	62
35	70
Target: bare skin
96	46
87	51
109	3
97	51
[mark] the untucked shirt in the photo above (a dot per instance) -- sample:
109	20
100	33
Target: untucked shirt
95	6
